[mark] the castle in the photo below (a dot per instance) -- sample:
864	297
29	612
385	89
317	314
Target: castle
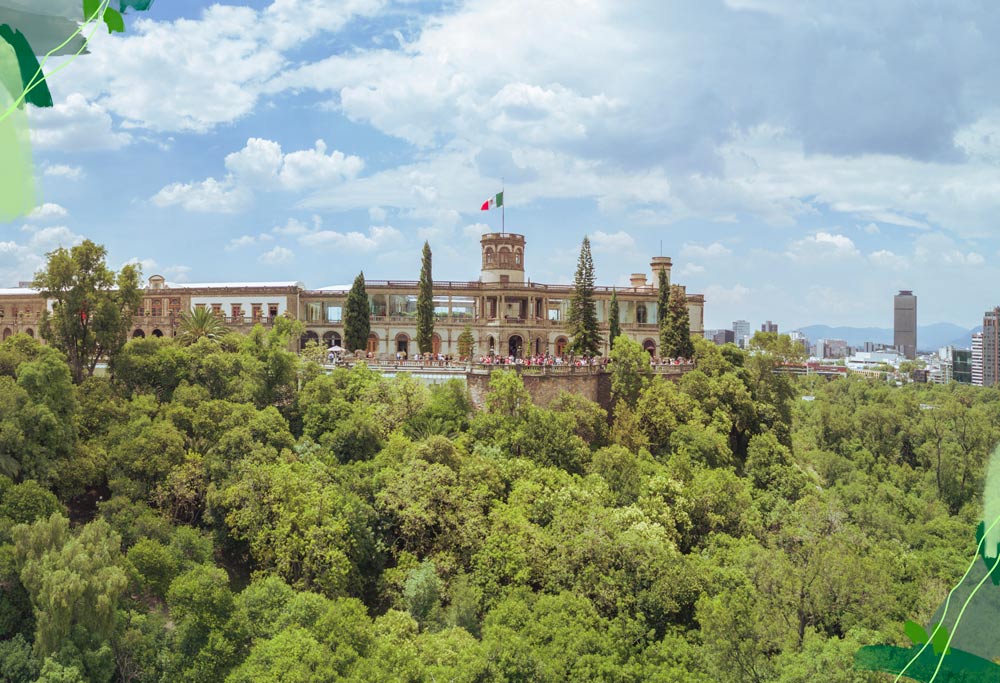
506	313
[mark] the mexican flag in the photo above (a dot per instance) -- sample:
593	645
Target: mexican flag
492	202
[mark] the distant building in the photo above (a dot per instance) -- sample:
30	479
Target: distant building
769	327
977	359
741	330
724	337
961	366
873	363
991	347
904	335
799	338
831	348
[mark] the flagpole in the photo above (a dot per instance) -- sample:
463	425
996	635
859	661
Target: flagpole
503	210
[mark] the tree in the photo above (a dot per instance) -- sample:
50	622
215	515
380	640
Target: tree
357	316
629	370
466	343
614	327
677	342
91	305
663	311
582	308
201	322
425	304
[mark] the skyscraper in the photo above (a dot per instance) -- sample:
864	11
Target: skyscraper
769	327
904	335
977	358
991	347
741	329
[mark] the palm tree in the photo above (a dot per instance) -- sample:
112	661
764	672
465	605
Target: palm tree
201	322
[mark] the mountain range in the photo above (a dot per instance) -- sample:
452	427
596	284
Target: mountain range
929	337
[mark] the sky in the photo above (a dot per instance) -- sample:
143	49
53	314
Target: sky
800	161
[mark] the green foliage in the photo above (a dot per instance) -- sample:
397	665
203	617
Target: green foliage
629	370
425	303
675	327
614	325
466	344
357	316
585	338
663	322
201	323
92	306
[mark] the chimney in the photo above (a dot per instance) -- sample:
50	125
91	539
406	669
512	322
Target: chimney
656	265
638	280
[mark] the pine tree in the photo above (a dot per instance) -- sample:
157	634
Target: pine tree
357	316
425	304
663	313
680	324
614	328
582	308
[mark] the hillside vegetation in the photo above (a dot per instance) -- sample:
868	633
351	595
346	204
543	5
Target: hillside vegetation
224	511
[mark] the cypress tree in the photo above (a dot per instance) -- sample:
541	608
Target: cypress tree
466	342
582	308
680	324
614	328
425	304
357	316
663	314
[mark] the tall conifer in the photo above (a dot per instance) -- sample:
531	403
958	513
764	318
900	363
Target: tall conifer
614	328
681	345
357	316
425	304
663	313
583	310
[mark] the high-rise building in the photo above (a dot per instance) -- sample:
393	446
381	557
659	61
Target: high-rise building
961	366
724	337
741	330
769	327
991	347
831	348
977	358
904	335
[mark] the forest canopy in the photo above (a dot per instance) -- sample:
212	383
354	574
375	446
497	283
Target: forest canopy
223	510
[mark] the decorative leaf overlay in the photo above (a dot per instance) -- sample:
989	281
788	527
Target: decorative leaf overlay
915	632
939	640
90	9
114	20
990	561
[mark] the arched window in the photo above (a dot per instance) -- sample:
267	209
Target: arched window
305	339
138	334
489	255
435	343
561	343
491	344
650	346
504	256
517	257
403	343
640	314
30	332
331	339
6	333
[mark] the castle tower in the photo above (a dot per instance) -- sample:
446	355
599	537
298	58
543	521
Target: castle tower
656	265
503	257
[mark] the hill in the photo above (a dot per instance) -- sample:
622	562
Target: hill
929	337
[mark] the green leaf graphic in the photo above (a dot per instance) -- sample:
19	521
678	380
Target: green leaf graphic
114	20
915	632
939	639
90	8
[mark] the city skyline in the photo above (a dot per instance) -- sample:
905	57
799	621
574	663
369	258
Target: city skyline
845	157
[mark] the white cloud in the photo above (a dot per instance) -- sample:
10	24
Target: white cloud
822	245
64	171
708	251
619	241
727	296
209	195
376	214
277	256
690	269
47	211
247	241
297	227
74	124
871	229
194	74
377	237
53	237
887	259
261	166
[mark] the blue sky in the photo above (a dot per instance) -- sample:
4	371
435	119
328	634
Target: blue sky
799	162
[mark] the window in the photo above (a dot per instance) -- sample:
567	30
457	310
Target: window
334	314
640	314
256	311
489	254
199	307
272	310
237	310
217	309
156	307
175	305
314	312
372	344
517	257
